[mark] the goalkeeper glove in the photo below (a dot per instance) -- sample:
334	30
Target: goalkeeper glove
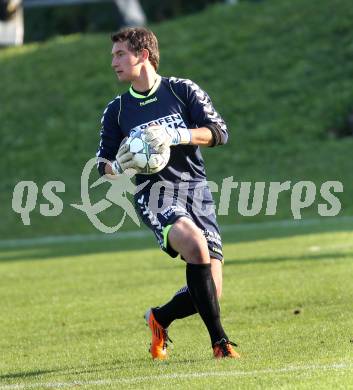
124	159
159	136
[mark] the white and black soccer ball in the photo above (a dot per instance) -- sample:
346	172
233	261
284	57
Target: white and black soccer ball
146	158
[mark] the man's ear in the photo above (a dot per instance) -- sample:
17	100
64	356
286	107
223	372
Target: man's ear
145	54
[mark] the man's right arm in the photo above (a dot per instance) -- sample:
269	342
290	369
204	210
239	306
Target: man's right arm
110	137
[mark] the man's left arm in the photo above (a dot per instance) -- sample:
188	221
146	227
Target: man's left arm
210	128
201	136
206	127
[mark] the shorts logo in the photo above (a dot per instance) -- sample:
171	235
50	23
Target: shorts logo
217	250
171	210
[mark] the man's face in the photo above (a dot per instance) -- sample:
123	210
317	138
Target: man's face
125	63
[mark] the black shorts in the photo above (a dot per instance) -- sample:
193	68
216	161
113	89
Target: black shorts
160	207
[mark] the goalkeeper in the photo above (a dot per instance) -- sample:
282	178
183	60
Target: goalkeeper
174	113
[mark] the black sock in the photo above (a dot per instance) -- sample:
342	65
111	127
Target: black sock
180	306
204	295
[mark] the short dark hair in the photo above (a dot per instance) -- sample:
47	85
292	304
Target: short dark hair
139	38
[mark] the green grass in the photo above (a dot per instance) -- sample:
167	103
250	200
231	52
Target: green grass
279	71
73	312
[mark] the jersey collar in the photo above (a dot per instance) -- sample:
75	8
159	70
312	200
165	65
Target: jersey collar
152	91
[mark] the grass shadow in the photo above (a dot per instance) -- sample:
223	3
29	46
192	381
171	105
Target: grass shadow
230	234
26	374
111	366
307	257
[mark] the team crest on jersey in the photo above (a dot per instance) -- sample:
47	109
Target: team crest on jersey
174	121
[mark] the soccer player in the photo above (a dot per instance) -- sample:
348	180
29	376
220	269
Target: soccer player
174	113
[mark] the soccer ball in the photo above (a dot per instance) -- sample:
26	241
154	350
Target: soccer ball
146	158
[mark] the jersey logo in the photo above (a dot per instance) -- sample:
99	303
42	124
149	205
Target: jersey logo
148	101
173	121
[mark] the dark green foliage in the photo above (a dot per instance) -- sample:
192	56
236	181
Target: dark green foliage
101	16
44	22
159	10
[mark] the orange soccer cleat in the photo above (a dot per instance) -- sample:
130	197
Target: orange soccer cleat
158	348
224	348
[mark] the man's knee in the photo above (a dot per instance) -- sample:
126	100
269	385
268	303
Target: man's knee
187	239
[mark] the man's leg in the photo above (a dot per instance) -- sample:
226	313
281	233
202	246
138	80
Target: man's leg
187	239
181	305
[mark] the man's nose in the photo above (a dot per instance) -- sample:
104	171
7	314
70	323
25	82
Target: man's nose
114	62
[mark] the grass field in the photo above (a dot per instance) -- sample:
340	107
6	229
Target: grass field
280	72
71	314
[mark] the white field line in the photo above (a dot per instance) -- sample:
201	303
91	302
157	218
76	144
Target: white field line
191	375
142	233
316	248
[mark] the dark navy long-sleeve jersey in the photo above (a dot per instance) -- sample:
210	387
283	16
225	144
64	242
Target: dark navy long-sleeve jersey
172	102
